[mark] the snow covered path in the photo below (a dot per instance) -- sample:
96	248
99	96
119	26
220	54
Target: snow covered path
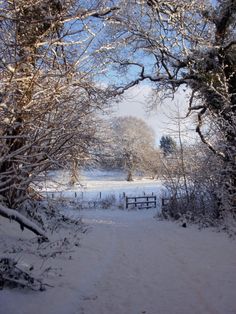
144	266
129	263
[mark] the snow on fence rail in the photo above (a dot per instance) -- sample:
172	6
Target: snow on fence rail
141	202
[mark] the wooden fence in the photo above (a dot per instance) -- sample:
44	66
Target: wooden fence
141	202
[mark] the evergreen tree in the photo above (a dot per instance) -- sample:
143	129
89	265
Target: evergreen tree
167	144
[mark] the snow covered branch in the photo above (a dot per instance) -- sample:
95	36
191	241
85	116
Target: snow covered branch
23	221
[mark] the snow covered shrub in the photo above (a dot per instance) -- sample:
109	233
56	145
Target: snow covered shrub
201	209
192	187
108	202
32	258
13	277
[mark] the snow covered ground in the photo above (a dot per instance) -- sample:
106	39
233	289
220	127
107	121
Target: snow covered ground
130	263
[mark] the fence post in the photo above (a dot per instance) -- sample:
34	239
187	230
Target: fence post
162	202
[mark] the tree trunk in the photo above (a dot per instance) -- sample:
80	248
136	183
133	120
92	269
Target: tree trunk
74	178
129	176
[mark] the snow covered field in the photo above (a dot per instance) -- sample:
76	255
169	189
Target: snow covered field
130	263
95	184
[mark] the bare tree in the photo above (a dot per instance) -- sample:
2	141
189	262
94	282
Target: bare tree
191	177
48	99
134	143
152	165
185	43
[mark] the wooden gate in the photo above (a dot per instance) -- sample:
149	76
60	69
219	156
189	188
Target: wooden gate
141	202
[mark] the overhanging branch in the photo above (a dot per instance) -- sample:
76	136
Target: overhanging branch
22	220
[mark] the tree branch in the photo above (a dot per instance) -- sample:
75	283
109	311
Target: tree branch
22	220
203	139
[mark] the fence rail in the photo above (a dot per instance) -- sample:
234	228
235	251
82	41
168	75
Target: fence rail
141	202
